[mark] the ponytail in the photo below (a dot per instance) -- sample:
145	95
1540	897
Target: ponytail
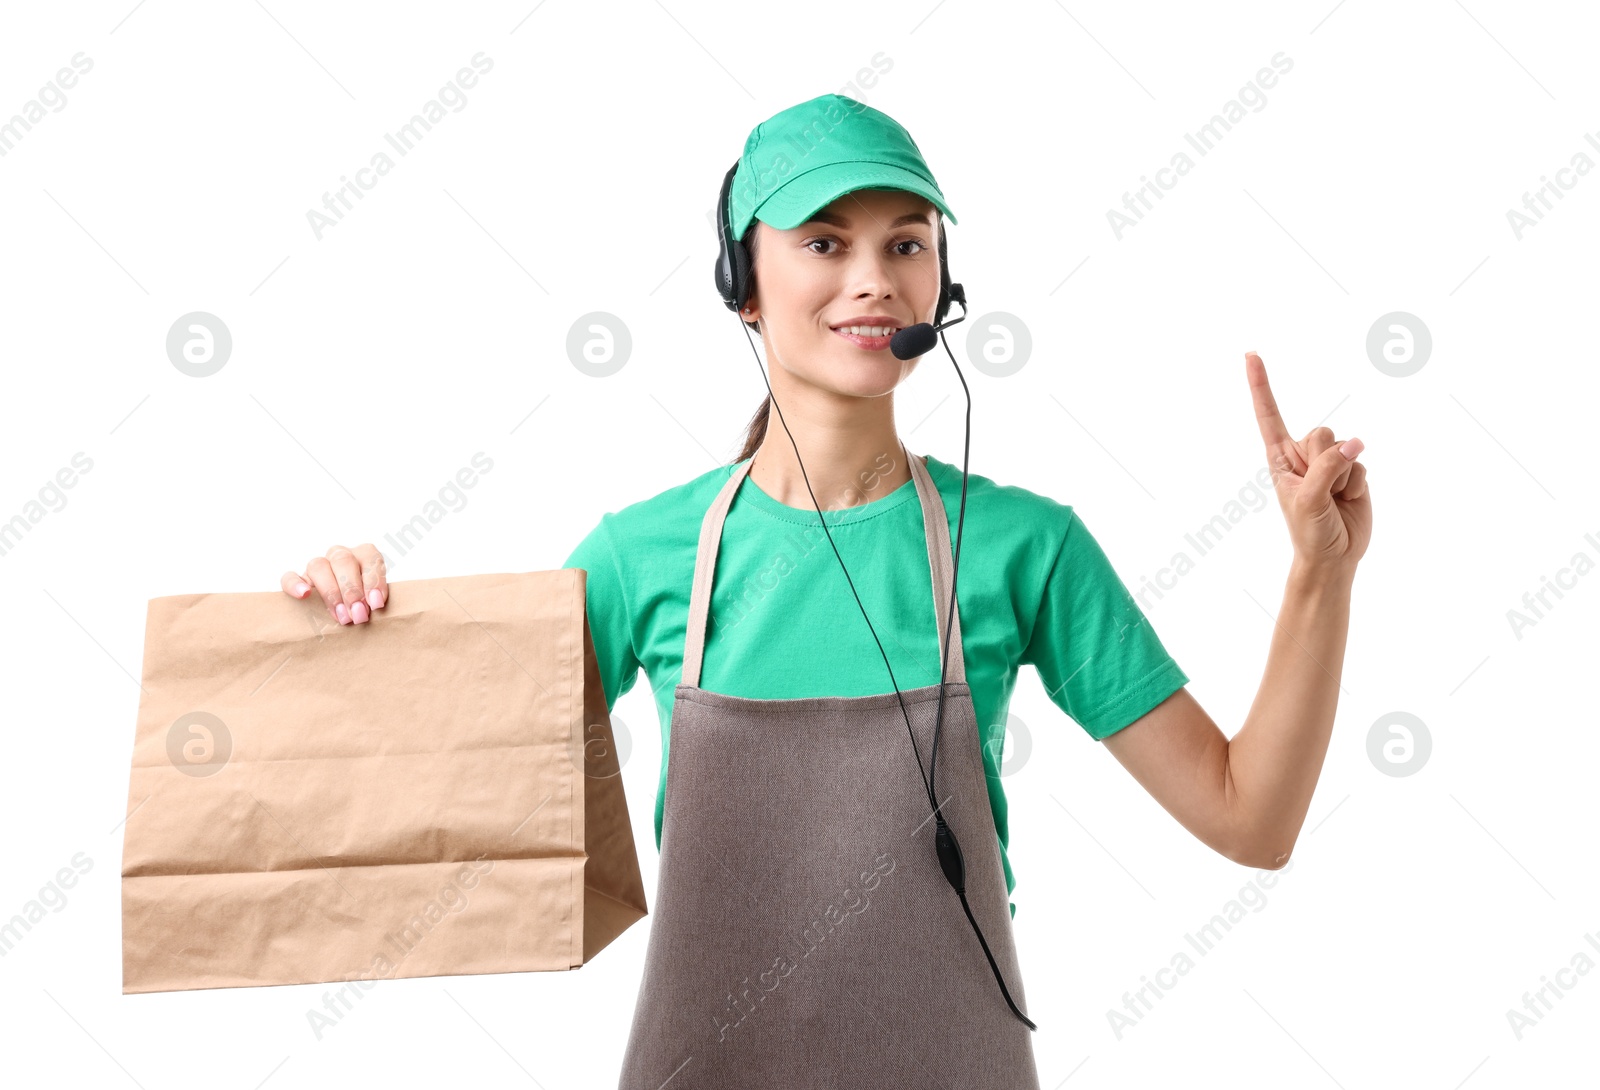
756	430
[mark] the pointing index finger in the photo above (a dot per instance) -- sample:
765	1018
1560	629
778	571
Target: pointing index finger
1283	454
1273	432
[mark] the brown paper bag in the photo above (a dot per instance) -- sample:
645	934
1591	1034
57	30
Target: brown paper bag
434	792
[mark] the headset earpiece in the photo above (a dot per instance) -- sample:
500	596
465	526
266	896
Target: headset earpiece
733	257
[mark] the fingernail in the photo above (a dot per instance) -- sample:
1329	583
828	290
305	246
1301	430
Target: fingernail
342	613
300	590
374	598
1351	447
359	613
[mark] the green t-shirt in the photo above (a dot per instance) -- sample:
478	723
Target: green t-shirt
1035	588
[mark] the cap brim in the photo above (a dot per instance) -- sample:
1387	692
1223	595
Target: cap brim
801	197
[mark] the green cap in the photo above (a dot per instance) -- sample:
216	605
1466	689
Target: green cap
802	159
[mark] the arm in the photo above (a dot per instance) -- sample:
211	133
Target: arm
1247	798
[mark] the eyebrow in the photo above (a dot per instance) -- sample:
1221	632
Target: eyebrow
839	221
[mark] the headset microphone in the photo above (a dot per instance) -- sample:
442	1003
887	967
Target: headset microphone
919	339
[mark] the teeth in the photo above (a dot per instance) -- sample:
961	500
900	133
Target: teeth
869	330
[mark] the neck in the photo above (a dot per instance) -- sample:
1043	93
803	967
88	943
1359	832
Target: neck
851	451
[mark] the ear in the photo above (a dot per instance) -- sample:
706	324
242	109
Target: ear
745	257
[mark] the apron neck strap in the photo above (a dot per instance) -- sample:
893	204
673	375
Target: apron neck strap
941	566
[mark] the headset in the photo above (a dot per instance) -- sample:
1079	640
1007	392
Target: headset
733	273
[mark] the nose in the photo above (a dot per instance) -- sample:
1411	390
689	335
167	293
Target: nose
870	277
869	273
873	274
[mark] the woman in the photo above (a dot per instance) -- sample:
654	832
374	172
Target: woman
805	928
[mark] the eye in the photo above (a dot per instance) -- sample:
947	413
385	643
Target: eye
917	242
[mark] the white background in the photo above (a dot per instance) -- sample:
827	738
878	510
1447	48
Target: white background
370	365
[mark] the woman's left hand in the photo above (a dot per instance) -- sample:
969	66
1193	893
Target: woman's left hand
1323	491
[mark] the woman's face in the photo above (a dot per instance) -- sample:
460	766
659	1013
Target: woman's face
871	254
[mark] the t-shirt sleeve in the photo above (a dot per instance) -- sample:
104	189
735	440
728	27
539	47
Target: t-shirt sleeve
1096	653
607	607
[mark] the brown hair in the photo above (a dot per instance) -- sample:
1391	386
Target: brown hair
756	430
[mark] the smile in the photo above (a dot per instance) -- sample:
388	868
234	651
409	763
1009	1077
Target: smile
873	338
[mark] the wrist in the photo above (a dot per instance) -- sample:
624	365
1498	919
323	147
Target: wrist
1306	575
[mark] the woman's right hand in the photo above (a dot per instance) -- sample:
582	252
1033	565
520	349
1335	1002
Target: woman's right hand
351	582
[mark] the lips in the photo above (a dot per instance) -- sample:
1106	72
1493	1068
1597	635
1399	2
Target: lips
871	344
870	333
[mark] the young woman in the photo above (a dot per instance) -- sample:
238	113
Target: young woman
809	926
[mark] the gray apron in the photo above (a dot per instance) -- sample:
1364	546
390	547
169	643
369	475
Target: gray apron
804	935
